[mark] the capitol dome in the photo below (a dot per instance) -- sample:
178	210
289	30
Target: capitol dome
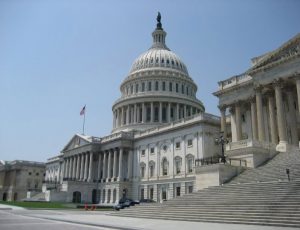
157	90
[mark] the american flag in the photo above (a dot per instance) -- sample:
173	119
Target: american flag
82	112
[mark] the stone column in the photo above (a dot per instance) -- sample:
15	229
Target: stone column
109	164
233	124
90	167
122	116
160	112
78	167
99	167
298	92
138	114
143	113
293	122
280	115
238	121
169	112
177	111
70	168
152	113
184	107
254	119
127	115
129	164
120	164
273	127
260	118
104	165
223	120
114	119
115	164
66	168
134	114
82	167
74	167
86	166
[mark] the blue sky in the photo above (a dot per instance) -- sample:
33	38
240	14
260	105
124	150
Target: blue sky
58	55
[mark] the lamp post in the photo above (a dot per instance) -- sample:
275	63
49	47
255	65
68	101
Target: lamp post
221	140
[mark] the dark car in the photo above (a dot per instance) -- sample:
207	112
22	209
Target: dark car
124	203
146	201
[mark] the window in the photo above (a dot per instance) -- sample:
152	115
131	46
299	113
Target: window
136	88
29	173
152	150
182	89
178	163
37	174
148	114
177	145
143	152
190	165
143	86
156	85
149	86
190	188
142	194
165	166
151	193
131	89
178	191
164	86
176	87
190	142
243	118
168	62
151	169
142	171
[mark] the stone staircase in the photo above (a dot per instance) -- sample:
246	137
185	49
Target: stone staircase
273	200
273	170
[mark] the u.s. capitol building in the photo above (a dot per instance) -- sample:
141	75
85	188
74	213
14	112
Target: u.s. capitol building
160	131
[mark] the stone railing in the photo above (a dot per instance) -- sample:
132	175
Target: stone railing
235	80
118	135
249	143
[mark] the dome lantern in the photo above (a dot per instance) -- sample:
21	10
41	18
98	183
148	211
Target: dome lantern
159	35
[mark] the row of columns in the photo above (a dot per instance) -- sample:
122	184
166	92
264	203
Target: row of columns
80	167
277	127
137	113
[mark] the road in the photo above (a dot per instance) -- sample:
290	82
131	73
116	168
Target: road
24	219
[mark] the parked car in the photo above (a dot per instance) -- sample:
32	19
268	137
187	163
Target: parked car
124	203
146	201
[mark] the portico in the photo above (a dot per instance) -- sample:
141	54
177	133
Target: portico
263	104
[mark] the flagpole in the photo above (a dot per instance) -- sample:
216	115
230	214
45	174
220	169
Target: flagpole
83	123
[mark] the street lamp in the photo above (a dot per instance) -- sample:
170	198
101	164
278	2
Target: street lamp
221	140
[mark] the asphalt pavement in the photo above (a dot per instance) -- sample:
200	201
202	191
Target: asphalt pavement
13	218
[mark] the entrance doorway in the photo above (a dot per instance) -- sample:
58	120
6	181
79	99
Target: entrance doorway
76	197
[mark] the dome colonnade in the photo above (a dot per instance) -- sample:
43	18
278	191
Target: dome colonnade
157	90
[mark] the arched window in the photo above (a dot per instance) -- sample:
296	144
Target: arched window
149	86
190	163
142	169
165	167
151	168
178	163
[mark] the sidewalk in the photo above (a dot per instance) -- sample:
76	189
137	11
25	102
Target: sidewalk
10	207
103	219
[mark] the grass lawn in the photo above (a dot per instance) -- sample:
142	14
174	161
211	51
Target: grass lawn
50	205
29	204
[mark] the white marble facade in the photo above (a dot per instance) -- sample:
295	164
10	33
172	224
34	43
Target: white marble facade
260	109
159	130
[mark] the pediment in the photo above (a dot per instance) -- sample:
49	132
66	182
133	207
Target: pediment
76	142
289	49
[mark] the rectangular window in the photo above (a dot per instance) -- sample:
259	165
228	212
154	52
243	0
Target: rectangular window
177	191
170	87
177	167
190	142
151	171
177	145
156	85
149	86
142	171
143	152
182	89
136	88
151	193
152	150
143	86
190	188
176	87
142	194
190	165
164	86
